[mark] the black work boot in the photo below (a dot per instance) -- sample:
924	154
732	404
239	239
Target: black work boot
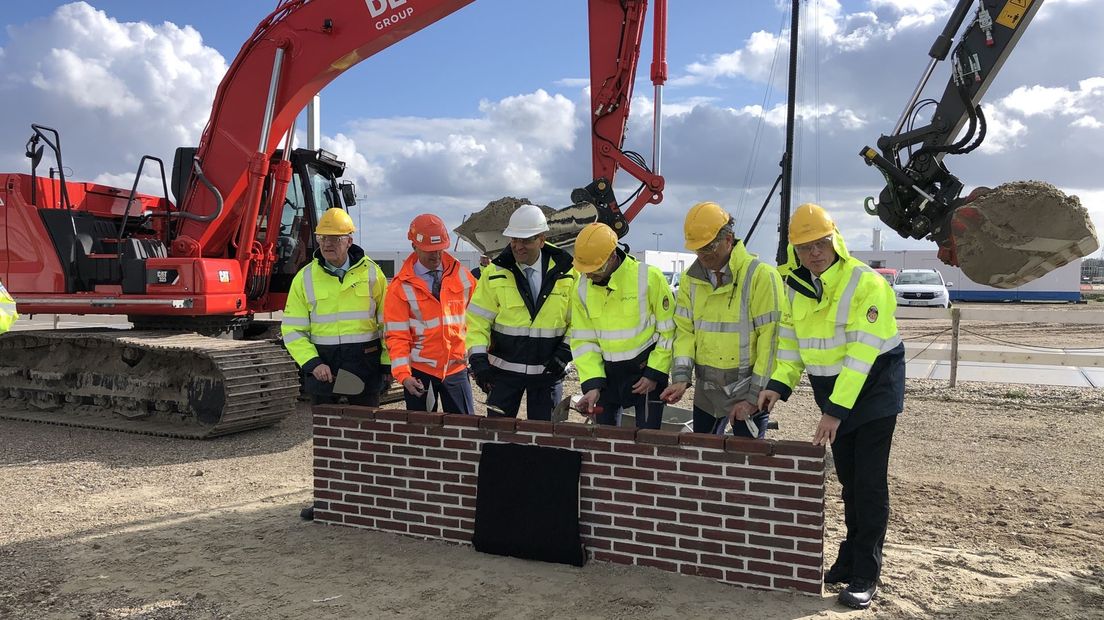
837	574
859	594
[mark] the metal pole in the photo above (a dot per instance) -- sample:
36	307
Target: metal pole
314	123
270	104
787	157
956	315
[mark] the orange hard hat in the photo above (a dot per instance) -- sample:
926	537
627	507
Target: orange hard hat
428	233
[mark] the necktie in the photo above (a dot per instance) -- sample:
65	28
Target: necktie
819	287
719	274
529	275
339	272
435	274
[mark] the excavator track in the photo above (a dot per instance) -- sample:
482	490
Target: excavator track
151	382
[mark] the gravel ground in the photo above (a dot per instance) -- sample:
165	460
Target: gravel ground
998	512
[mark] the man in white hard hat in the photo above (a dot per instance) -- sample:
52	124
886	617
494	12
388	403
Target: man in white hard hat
518	320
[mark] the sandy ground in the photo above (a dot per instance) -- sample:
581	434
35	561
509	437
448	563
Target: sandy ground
998	512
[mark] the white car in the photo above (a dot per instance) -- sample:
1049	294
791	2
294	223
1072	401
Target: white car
922	287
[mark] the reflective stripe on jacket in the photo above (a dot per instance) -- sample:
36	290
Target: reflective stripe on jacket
510	330
622	321
726	336
324	311
424	332
846	339
8	314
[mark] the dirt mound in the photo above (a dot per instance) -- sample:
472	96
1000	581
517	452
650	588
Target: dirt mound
1020	231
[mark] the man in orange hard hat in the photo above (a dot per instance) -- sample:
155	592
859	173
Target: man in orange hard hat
425	311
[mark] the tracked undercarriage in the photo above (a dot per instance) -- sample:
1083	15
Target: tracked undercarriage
162	383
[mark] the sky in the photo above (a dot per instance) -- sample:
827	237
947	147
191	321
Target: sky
493	101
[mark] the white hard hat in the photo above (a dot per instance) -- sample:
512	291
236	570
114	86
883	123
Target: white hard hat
527	221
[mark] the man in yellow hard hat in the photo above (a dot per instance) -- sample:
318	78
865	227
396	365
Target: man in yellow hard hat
333	319
518	319
726	322
8	314
622	330
839	327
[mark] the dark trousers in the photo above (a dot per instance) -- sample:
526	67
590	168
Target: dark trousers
648	407
541	393
370	398
451	395
862	465
704	422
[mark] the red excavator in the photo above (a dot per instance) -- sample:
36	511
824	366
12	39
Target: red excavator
190	270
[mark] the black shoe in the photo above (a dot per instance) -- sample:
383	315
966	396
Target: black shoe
859	594
837	574
307	514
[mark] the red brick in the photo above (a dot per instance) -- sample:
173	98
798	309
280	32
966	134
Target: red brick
442	498
742	445
463	513
611	459
344	486
408	517
480	434
394	438
392	415
797	558
725	483
635	498
722	560
771	541
702	440
629	523
613	483
371	511
677	504
372	468
449	460
425	530
674	478
442	476
406	472
388	459
391	526
352	476
457	535
375	489
459	444
327	432
633	473
344	444
707	546
635	448
615	558
808	587
699	493
699	519
590	469
391	482
762	514
442	521
655	513
679	453
554	442
747	525
656	437
366	446
347	466
743	551
345	508
460	489
676	554
615	433
728	536
807	519
593	445
723	509
798	448
592	493
456	419
628	547
747	579
799	478
772	568
605	532
701	571
390	502
811	574
774	489
799	504
794	531
322	494
535	426
811	492
409	494
670	567
426	419
701	468
321	483
441	431
359	521
571	429
425	463
518	438
657	464
810	465
612	508
498	424
679	529
327	473
425	441
747	499
327	453
655	489
771	461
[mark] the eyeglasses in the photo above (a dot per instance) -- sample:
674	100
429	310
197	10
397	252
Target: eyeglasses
331	239
822	245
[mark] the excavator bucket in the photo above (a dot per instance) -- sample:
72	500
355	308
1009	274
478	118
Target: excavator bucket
483	229
1020	231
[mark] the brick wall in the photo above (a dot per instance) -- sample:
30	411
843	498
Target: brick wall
750	513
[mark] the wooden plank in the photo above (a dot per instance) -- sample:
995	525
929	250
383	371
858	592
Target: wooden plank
1004	355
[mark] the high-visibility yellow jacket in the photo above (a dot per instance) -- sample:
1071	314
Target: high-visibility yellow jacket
845	338
629	320
337	322
726	336
511	331
8	315
425	332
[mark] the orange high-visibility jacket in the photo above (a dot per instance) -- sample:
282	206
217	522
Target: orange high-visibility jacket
423	332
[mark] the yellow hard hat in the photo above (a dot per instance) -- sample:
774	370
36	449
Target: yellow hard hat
809	223
702	224
335	221
593	247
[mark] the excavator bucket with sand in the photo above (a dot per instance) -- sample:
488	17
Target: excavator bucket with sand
483	229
